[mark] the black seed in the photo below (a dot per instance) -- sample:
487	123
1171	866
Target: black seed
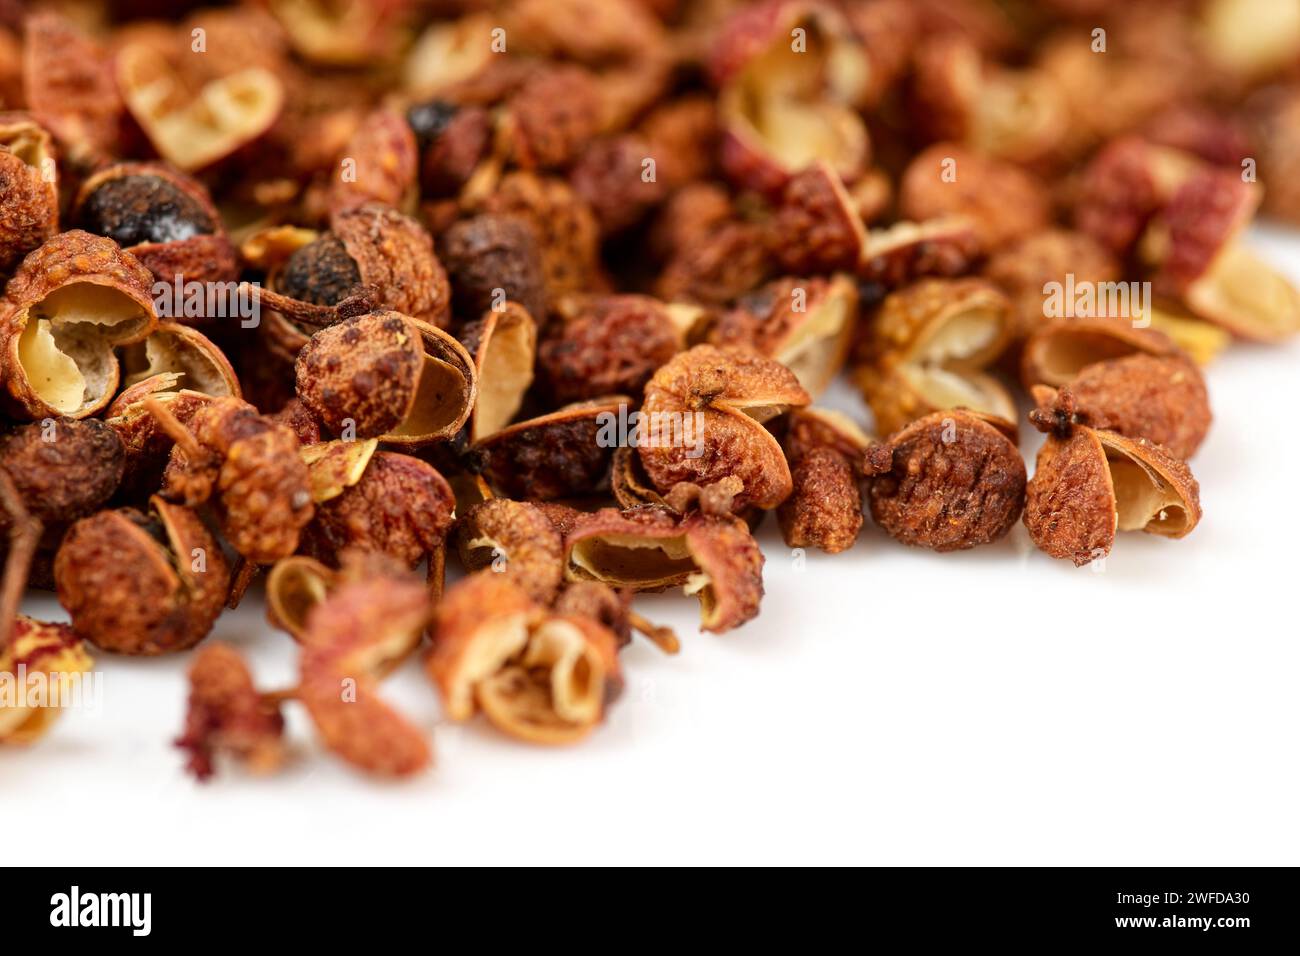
430	120
132	210
321	272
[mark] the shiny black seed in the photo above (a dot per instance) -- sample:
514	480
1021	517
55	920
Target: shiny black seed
132	210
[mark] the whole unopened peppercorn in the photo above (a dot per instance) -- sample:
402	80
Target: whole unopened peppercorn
490	259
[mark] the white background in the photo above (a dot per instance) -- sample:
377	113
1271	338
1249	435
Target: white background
889	706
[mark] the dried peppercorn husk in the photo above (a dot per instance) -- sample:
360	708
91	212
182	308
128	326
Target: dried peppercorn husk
29	193
249	467
335	466
355	635
65	468
191	118
227	715
1024	269
491	259
1015	114
558	455
70	303
713	557
612	344
399	506
927	349
369	248
1090	483
174	358
165	219
142	584
1059	350
824	510
1273	120
514	539
906	251
724	396
351	34
69	85
782	109
806	324
380	165
817	227
383	374
294	586
949	481
504	345
1002	201
564	227
1160	398
1123	186
541	677
148	446
1195	242
1202	341
450	54
52	651
722	261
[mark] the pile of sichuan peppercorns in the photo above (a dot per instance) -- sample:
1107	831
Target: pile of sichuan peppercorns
312	296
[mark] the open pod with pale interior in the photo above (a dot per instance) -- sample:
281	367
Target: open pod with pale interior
353	637
386	375
165	219
1058	351
368	249
1202	341
175	358
50	650
136	583
563	454
542	677
1017	114
713	557
295	586
789	73
703	419
1090	483
806	324
29	205
1195	247
928	348
342	34
191	119
71	302
503	345
449	53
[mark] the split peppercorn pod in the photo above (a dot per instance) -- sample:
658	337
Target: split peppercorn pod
1091	483
515	539
29	200
824	510
723	396
1160	398
713	557
540	676
137	583
352	638
949	481
71	302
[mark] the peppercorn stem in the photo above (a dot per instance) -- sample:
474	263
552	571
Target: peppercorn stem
663	637
24	535
171	425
